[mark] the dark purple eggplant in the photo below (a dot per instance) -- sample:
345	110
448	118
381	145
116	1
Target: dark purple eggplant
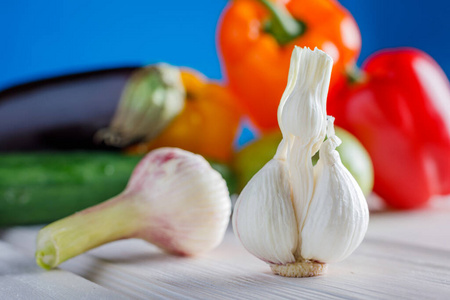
61	113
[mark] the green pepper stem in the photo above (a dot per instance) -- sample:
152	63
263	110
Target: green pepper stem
282	25
109	221
355	75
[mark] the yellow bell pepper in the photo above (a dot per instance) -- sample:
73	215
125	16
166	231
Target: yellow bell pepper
207	125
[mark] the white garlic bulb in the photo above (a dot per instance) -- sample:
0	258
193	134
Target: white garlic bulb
292	215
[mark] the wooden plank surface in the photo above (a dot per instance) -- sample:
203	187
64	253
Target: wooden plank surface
21	278
405	255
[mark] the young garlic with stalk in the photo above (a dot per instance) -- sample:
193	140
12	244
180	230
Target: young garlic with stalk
174	199
294	216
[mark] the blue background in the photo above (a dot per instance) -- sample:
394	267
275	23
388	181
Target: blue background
39	39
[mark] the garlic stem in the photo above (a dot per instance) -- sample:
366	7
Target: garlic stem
109	221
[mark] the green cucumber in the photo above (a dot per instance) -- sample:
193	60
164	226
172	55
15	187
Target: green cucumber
43	187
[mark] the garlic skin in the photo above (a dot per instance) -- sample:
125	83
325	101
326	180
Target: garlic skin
338	215
174	199
189	203
292	215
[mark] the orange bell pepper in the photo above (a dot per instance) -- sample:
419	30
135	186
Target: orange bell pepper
207	125
256	39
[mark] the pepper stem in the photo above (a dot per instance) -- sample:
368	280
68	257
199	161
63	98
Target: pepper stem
355	75
109	221
282	25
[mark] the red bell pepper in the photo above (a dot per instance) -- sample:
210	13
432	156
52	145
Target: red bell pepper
399	108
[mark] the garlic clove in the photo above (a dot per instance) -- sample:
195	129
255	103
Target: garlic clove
338	215
263	217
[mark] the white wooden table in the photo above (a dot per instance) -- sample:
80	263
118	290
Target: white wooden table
405	255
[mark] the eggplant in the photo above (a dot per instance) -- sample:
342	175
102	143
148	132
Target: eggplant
61	113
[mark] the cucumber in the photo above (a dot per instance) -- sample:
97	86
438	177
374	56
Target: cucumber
43	187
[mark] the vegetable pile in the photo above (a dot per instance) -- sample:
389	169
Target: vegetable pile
302	195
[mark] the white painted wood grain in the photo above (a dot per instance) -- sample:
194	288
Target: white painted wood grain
406	255
21	278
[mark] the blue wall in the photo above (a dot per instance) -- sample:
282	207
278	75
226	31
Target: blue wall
45	38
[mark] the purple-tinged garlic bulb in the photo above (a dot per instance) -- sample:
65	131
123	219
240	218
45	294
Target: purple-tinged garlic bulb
174	199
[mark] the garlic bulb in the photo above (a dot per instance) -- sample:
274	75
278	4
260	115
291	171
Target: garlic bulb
174	199
292	215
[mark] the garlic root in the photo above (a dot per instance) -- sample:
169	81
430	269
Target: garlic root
300	268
